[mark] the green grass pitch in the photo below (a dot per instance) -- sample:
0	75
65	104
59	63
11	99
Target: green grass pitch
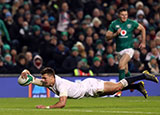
85	106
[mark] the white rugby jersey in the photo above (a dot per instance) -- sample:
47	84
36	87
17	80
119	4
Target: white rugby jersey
88	87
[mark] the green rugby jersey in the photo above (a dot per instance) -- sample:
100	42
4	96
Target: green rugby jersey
124	39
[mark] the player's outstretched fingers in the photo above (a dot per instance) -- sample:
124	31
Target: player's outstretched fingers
41	107
24	73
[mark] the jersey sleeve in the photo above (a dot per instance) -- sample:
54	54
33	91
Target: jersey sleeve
136	24
111	27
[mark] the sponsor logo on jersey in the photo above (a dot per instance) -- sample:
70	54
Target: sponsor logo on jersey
123	32
117	26
129	26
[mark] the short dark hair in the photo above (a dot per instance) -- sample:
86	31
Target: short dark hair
49	71
121	10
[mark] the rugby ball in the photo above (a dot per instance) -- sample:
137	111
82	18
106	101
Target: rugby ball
25	81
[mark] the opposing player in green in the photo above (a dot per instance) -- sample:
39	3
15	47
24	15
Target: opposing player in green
122	30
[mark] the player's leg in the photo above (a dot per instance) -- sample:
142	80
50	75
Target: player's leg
127	73
145	75
111	88
138	86
123	70
123	62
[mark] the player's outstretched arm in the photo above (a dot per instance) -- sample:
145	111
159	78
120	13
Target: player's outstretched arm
143	33
35	81
60	104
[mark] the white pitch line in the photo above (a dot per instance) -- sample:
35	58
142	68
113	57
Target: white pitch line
82	111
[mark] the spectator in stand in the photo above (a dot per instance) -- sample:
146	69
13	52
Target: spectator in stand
109	49
151	44
96	12
50	53
71	34
88	43
52	20
100	47
79	15
65	40
15	6
29	57
83	27
46	26
8	63
96	66
136	44
136	65
6	49
152	33
19	24
11	26
3	69
37	20
143	53
26	6
158	35
53	31
97	25
81	37
88	19
147	12
81	49
25	34
35	39
89	31
64	18
157	40
152	65
20	13
38	10
21	63
95	37
70	63
132	12
140	17
139	5
44	50
111	66
14	55
109	19
154	52
61	52
83	69
90	57
37	64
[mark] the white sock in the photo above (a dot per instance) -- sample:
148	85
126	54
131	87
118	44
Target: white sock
124	82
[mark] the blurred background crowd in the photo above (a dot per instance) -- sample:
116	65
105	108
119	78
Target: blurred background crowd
69	35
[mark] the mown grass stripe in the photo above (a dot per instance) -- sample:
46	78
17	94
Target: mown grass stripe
82	111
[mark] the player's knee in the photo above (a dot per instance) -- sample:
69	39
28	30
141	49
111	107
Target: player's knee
121	66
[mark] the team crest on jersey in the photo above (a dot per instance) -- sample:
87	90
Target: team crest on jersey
129	26
117	26
123	32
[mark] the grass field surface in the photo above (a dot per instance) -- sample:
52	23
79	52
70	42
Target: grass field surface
85	106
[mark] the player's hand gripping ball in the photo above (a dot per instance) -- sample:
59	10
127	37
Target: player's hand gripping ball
25	79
